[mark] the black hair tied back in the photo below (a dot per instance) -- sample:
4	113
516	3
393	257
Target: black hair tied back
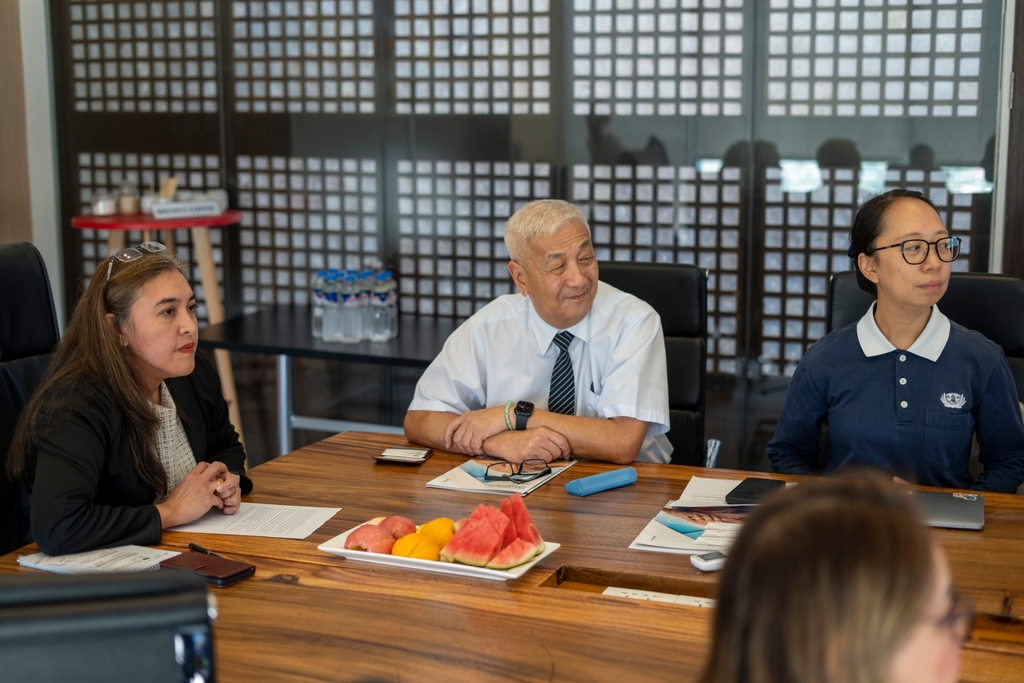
869	224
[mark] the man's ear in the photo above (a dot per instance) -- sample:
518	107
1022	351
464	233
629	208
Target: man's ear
518	274
868	267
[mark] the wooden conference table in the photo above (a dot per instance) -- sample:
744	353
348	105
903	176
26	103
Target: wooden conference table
311	616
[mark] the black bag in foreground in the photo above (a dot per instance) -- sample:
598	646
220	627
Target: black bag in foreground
152	626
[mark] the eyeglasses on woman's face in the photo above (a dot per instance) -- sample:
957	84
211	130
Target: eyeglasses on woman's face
133	254
915	252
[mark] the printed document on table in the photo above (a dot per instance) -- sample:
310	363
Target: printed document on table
659	538
705	492
127	558
702	491
469	476
262	519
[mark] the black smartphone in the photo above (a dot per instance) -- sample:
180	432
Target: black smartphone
753	490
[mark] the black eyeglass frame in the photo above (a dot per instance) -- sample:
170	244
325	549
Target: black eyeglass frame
959	616
927	249
133	254
517	476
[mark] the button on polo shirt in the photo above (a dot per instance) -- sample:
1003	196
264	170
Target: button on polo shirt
929	346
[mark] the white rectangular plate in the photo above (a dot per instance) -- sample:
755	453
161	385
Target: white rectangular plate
336	546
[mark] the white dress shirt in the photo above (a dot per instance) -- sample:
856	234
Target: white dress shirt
506	352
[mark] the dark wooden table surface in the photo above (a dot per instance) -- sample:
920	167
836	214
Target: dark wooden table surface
311	616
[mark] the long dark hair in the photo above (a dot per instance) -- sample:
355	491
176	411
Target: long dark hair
870	223
91	351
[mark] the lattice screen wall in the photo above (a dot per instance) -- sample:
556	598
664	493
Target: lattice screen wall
311	56
874	58
304	215
452	257
107	170
670	214
664	58
144	56
479	57
806	236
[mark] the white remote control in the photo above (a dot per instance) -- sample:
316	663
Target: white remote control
708	562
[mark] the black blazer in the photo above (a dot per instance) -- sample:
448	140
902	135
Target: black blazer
85	492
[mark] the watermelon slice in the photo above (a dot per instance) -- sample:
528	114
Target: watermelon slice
516	554
459	522
524	523
398	526
510	534
475	543
370	538
497	520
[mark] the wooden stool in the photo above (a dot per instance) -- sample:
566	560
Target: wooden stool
117	226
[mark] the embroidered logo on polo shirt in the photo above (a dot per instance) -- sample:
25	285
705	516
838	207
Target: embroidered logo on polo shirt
952	400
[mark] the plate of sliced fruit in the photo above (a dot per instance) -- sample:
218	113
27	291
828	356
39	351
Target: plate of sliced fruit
492	543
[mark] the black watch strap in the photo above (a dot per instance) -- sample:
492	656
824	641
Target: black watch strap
521	419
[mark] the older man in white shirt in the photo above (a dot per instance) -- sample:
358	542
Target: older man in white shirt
567	365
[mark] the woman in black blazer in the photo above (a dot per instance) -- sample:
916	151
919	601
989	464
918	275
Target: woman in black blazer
128	433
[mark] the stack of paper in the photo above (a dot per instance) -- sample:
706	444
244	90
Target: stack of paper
700	521
469	476
127	558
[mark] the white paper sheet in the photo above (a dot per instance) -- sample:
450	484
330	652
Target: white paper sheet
262	519
654	596
127	558
659	538
703	492
458	479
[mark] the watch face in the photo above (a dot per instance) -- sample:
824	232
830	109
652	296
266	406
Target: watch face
524	408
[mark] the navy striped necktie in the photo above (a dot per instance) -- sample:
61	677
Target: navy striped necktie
562	398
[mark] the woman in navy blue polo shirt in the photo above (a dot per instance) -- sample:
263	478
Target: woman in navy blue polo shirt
905	389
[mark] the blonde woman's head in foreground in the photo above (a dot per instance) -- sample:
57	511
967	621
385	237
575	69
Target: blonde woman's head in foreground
839	581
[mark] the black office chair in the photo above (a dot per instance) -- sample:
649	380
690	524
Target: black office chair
28	333
988	303
679	294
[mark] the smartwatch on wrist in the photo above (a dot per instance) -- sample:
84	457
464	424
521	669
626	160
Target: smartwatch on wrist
524	409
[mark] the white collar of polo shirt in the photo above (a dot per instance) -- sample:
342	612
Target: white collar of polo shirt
928	345
545	333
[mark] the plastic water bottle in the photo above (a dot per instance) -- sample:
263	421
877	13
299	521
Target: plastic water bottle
351	311
387	293
332	309
378	312
319	280
366	282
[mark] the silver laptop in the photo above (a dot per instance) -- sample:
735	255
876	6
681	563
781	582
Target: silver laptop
961	510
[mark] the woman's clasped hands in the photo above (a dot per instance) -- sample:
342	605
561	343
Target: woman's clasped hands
207	486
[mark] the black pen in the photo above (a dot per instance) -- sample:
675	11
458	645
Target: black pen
200	549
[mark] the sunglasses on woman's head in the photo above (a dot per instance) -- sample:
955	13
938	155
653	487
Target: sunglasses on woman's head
133	254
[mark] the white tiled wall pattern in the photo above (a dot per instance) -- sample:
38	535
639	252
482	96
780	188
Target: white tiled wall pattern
670	214
143	56
473	56
874	57
806	237
660	57
301	215
107	170
303	56
451	224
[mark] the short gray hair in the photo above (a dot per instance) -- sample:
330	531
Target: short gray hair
541	217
